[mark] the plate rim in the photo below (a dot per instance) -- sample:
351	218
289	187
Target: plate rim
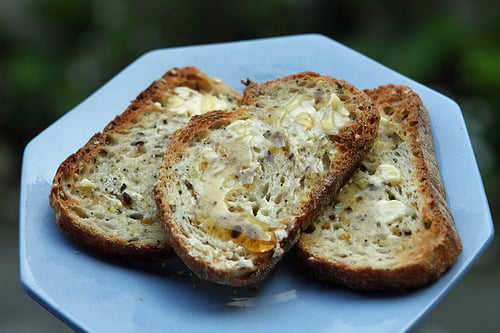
29	283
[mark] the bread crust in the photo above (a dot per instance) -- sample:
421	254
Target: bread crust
64	204
354	141
431	251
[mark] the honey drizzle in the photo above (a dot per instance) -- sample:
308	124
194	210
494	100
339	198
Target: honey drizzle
250	236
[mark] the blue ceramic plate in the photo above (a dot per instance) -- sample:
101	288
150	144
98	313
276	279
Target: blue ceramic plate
95	294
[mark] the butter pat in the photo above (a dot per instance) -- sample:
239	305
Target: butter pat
187	101
86	183
328	116
389	211
386	174
305	119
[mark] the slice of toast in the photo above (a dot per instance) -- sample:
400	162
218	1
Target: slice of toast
234	189
390	227
102	195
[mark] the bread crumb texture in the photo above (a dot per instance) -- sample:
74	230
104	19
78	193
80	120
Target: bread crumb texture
238	187
115	190
390	226
103	194
376	210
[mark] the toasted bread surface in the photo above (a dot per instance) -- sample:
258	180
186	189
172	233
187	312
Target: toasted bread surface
234	189
390	228
102	195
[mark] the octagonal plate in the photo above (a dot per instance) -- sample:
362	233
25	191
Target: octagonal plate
95	294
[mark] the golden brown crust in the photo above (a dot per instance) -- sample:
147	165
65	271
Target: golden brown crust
435	248
64	204
353	142
197	127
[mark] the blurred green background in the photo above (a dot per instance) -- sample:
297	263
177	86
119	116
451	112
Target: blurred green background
55	53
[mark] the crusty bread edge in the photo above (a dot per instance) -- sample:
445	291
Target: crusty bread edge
356	139
195	128
86	235
439	245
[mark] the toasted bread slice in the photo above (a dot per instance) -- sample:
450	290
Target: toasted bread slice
234	189
103	194
390	227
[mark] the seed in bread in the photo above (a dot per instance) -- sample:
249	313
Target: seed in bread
103	194
390	227
234	189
